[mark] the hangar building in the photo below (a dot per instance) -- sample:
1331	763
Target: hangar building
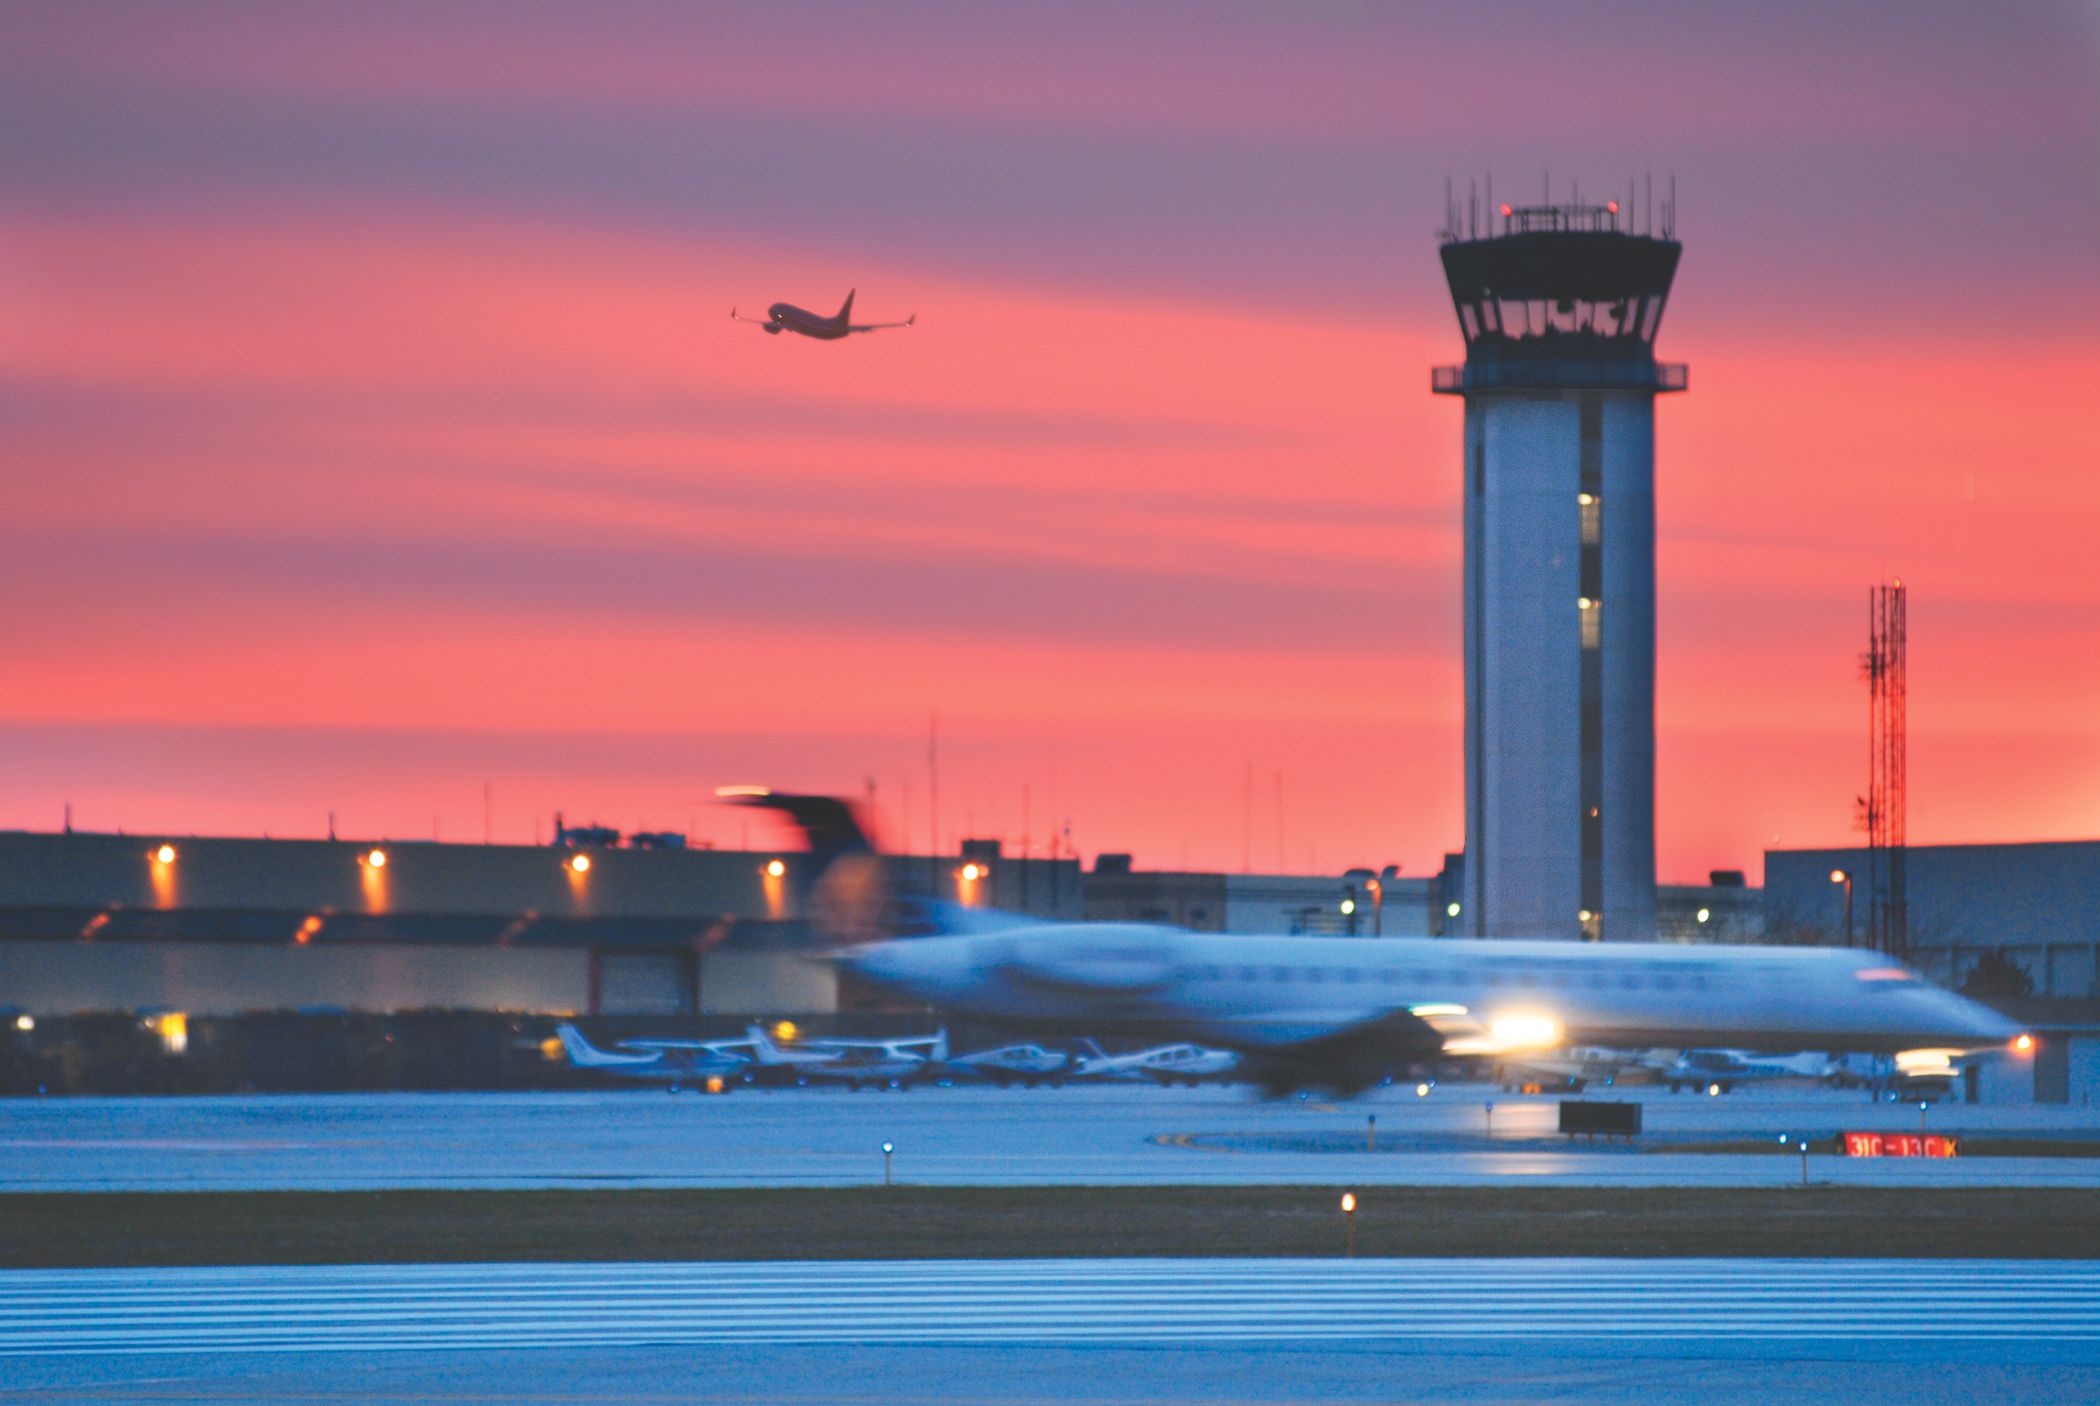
219	926
2017	925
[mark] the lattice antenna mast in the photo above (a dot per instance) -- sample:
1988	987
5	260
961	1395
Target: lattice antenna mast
1882	808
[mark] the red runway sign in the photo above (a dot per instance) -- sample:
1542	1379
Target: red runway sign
1901	1145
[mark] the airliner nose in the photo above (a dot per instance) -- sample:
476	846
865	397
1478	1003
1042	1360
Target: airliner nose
1972	1020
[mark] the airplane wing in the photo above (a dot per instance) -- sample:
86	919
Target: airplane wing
827	1042
879	326
721	1047
734	316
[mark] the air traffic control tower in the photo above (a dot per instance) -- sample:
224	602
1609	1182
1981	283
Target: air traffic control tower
1559	305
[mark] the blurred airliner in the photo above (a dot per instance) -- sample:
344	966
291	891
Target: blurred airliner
1342	1013
786	317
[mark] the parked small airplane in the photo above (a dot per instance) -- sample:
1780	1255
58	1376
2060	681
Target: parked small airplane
1166	1064
1007	1065
857	1064
1719	1071
677	1062
786	317
1577	1067
1188	1064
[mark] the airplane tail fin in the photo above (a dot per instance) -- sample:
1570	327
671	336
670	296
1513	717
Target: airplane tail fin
763	1050
843	891
937	1052
846	312
1085	1048
584	1055
828	824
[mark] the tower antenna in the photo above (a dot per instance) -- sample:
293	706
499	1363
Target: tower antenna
1882	808
1282	866
1247	825
933	780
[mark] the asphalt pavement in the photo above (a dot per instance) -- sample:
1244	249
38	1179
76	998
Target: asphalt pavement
1117	1134
1061	1330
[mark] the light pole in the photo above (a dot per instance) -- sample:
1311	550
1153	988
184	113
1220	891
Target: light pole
887	1149
1377	892
1349	1220
1844	876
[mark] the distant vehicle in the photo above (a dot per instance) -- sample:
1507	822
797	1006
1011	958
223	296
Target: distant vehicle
786	317
858	1064
1164	1064
676	1062
1027	1065
1720	1071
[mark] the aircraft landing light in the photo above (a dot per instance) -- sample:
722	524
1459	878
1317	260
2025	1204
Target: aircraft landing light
1518	1032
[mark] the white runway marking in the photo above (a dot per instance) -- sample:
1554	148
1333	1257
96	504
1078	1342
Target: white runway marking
379	1308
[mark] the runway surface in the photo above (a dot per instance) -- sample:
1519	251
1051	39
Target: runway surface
1120	1134
1137	1330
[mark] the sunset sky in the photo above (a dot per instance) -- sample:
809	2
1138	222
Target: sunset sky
372	428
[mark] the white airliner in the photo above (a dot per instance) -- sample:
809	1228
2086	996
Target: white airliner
1342	1013
677	1062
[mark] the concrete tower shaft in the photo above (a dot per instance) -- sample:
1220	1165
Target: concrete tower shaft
1560	308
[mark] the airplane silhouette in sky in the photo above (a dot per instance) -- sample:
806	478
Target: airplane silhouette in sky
786	317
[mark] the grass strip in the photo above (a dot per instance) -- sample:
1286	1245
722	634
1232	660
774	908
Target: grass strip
908	1222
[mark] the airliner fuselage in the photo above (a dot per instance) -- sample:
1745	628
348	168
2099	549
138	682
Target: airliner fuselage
1352	1001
